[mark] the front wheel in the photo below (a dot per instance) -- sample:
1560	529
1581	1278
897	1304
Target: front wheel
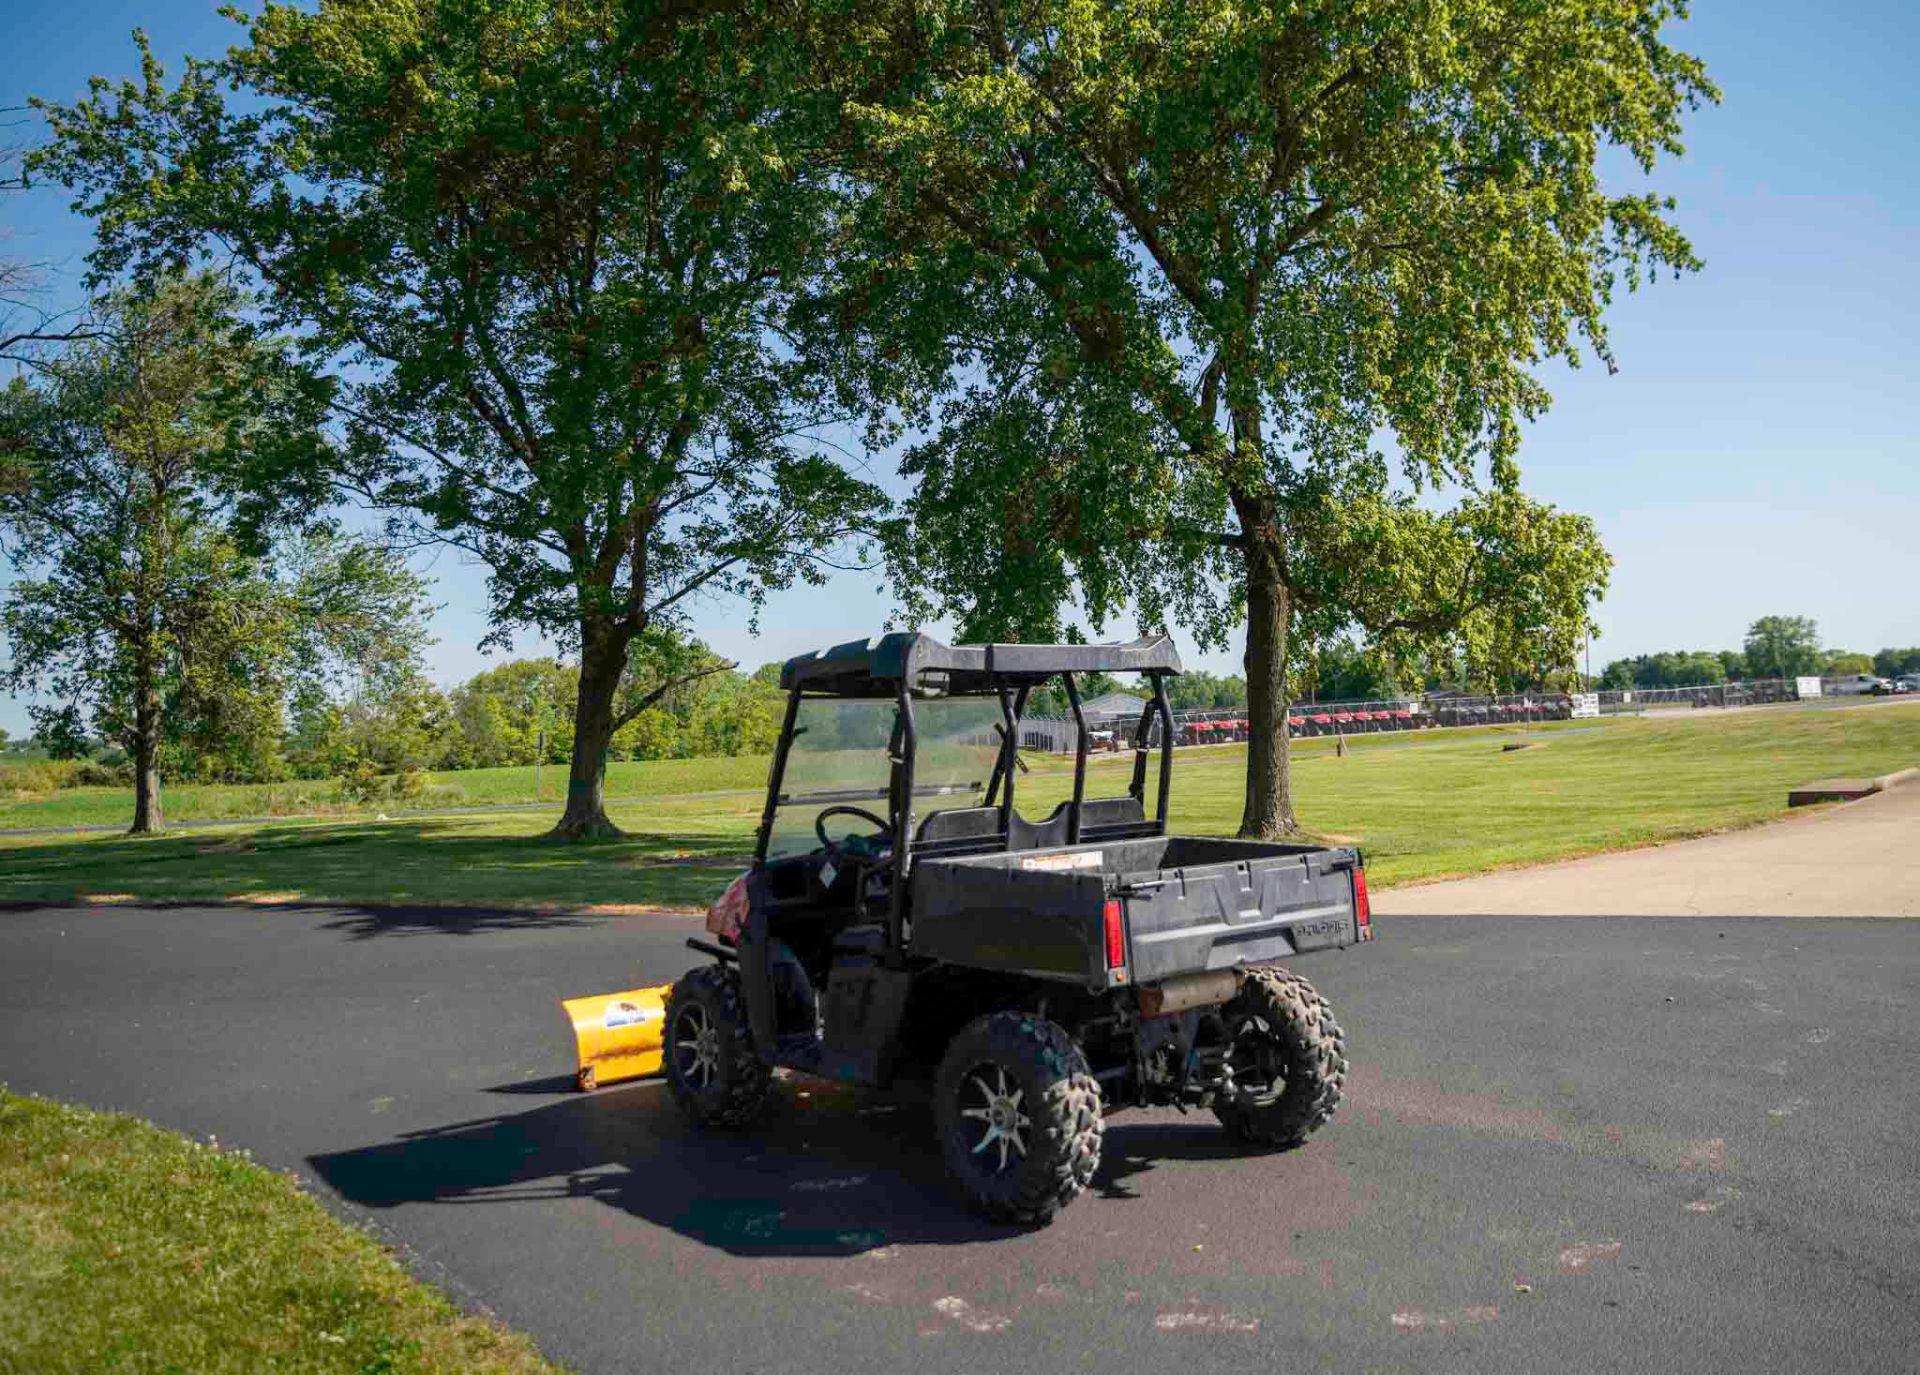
712	1070
1288	1056
1019	1116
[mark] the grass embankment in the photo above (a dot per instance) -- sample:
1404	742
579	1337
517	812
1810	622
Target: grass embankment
1423	807
125	1247
22	808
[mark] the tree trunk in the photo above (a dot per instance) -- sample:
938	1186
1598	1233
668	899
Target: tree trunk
1269	803
603	658
146	746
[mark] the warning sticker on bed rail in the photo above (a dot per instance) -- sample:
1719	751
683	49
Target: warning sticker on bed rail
1072	859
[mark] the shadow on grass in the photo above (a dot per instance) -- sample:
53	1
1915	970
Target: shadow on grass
403	864
830	1170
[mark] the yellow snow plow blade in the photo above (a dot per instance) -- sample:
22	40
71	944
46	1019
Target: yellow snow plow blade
618	1034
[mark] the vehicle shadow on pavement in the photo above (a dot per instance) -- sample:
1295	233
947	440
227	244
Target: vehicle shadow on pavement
1137	1144
829	1171
373	922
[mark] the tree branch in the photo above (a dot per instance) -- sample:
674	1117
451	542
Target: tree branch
706	671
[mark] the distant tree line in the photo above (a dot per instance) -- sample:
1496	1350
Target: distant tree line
1775	647
389	727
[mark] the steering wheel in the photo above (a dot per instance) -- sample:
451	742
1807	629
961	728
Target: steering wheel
820	823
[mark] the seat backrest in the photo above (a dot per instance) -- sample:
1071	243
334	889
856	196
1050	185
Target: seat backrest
959	823
1125	810
954	827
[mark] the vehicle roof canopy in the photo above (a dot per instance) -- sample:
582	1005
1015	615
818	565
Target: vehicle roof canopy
877	667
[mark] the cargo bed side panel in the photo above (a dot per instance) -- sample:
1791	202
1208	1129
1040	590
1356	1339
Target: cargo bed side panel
1192	904
1216	916
1016	919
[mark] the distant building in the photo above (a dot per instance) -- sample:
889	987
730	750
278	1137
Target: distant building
1113	705
1112	712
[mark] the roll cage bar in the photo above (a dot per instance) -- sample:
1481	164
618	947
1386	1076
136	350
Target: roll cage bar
909	665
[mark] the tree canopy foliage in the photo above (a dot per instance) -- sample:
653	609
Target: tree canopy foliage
1238	311
1198	257
564	257
1783	647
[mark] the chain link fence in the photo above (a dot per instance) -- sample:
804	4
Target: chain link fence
1306	720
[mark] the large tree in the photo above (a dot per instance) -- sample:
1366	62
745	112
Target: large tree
1783	647
1224	248
558	251
146	473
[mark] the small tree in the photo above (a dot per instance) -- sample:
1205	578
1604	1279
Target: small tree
141	467
1783	647
561	248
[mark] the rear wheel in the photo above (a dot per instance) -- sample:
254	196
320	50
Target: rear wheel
712	1070
1019	1116
1289	1060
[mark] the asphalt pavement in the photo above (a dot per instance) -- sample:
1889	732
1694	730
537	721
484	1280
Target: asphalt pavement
1607	1143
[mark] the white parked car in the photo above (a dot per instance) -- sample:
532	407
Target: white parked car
1909	682
1854	684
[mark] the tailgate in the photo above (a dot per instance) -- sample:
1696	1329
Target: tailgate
1216	916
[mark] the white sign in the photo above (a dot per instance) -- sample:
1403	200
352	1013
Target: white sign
1585	704
1807	687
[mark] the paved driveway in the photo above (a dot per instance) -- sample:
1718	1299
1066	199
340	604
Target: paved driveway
1858	859
1623	1144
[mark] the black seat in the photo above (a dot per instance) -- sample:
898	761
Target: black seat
960	823
1111	811
983	823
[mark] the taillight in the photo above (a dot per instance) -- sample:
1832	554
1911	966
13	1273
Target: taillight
1116	940
1362	909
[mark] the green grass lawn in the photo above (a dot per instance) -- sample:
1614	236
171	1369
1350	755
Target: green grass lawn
515	786
1423	807
125	1247
322	797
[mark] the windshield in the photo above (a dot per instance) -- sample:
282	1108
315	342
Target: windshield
841	755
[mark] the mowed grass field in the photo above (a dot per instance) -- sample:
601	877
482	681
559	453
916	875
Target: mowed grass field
322	797
1422	807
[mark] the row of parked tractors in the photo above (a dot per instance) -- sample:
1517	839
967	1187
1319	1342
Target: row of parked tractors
1356	719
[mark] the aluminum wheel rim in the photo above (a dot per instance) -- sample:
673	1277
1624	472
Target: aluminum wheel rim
996	1105
1253	1040
696	1047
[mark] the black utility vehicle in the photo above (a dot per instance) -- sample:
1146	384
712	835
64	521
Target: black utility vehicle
905	919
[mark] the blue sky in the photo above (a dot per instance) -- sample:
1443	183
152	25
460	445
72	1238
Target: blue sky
1757	452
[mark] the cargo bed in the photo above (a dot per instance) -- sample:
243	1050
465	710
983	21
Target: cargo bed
1187	904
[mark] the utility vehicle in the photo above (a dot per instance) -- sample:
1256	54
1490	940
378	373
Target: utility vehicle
906	918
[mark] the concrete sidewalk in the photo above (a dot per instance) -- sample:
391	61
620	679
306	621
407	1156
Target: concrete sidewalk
1861	859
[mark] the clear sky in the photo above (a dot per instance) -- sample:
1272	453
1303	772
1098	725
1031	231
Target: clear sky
1757	452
